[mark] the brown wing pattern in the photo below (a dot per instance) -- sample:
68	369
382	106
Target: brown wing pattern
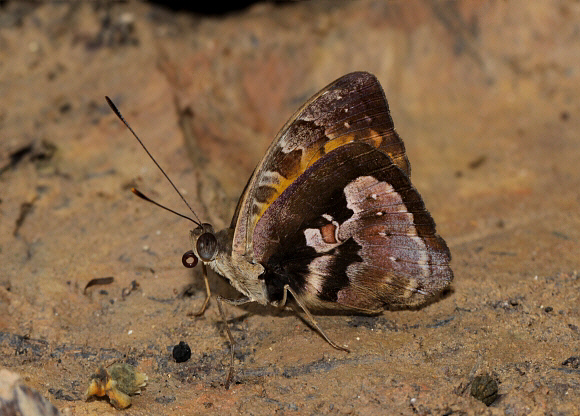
351	109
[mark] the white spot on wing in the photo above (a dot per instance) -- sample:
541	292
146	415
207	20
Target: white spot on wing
357	192
269	177
319	269
314	239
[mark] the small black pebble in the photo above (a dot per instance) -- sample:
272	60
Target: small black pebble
484	388
548	309
181	352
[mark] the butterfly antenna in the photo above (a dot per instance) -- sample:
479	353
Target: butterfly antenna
135	191
146	198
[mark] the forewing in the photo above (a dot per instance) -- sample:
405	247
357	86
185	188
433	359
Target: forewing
351	109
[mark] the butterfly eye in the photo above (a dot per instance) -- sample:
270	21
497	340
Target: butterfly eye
185	259
206	246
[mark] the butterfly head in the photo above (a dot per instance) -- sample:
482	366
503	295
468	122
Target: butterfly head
204	244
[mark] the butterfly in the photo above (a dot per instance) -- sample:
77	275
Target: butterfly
329	218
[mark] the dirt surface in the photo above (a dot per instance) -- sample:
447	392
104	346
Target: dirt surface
485	96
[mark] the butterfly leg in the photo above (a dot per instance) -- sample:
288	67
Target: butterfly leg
207	292
235	302
313	322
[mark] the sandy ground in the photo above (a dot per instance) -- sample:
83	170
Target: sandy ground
485	96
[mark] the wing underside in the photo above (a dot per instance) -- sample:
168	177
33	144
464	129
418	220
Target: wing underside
351	109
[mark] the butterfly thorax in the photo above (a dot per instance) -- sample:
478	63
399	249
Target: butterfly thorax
240	271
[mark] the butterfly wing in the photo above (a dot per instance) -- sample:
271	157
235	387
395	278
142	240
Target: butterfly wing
352	232
351	109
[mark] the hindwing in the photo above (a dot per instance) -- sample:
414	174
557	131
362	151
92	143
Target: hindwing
351	232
